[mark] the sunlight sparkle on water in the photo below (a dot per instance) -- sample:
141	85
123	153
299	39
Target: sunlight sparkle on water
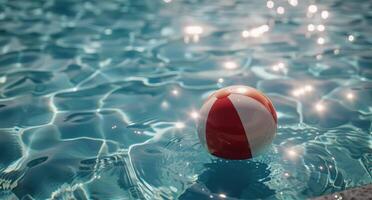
319	107
351	38
309	88
175	92
292	153
280	10
350	96
192	32
230	65
293	2
165	105
255	32
312	9
336	51
194	115
270	4
325	14
320	40
180	125
320	27
311	27
279	67
302	90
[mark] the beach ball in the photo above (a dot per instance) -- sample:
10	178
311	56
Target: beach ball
237	122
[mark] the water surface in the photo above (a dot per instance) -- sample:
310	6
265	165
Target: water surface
98	99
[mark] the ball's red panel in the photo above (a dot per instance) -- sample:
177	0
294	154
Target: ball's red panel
225	134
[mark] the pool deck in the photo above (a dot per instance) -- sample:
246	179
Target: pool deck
359	193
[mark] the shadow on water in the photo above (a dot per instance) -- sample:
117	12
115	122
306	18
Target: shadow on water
235	179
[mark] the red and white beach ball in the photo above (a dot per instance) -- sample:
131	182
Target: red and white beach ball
237	122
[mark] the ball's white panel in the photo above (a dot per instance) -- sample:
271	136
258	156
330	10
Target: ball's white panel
202	121
257	121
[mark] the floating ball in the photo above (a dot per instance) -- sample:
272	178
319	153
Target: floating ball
237	122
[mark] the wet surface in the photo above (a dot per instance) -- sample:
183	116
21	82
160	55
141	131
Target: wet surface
98	99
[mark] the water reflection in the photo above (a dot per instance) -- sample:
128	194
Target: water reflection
80	81
192	33
236	179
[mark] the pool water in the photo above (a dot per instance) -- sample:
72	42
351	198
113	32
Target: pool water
99	99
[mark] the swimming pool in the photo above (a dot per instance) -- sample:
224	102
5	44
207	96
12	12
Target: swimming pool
98	99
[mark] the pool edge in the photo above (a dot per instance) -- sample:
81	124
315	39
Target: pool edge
358	193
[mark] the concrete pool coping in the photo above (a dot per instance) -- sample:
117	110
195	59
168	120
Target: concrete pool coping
358	193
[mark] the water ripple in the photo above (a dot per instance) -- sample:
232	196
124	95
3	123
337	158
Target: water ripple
97	97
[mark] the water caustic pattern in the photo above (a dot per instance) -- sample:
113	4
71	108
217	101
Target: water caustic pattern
98	99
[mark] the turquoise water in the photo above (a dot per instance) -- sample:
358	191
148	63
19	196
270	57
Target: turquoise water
98	99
